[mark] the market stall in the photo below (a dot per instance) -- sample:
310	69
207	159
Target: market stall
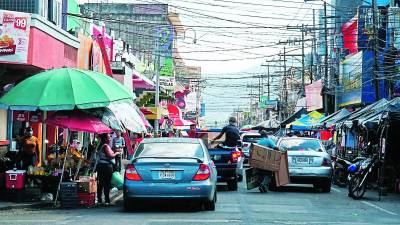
66	161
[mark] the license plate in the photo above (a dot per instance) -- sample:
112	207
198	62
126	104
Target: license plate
166	175
302	160
216	157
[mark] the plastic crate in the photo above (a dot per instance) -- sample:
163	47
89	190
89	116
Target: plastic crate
86	199
68	195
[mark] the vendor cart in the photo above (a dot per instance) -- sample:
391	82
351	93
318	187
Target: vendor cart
268	161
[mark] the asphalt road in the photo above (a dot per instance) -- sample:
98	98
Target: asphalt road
293	205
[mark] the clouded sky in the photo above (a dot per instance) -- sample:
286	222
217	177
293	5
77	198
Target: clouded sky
232	37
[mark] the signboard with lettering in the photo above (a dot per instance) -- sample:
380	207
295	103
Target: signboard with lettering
266	103
14	36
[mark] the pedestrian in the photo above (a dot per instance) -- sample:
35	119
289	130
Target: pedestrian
265	176
29	149
118	145
105	168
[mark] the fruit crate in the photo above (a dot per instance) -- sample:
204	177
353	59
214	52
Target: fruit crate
86	199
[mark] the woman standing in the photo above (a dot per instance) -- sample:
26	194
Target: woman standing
29	149
105	168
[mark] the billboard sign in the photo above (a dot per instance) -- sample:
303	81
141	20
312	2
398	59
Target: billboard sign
266	103
313	96
14	36
351	80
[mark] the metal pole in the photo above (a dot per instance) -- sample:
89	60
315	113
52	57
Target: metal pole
284	75
268	85
313	49
302	59
375	69
157	96
326	84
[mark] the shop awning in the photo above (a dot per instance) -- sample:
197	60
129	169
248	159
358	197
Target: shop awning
152	113
306	122
334	117
142	82
294	117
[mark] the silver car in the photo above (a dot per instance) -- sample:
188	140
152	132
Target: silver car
247	140
309	163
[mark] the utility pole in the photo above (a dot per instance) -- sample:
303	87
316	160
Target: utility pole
268	84
375	46
302	59
326	83
157	96
284	75
313	51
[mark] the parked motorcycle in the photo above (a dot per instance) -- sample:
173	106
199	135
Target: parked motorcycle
341	172
362	177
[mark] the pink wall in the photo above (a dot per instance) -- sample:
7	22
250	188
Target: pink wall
47	52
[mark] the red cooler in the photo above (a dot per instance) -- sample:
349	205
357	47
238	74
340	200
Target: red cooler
15	179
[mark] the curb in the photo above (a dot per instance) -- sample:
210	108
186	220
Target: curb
41	205
26	206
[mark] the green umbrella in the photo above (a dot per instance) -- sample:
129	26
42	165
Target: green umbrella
65	89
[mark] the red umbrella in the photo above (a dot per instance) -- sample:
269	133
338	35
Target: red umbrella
78	121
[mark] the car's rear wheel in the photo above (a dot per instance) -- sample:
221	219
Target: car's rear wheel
233	184
128	205
210	205
324	186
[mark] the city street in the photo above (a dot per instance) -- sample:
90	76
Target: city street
293	205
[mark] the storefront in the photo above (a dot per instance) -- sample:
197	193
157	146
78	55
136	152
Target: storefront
30	44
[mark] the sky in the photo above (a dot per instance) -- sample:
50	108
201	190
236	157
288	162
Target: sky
233	39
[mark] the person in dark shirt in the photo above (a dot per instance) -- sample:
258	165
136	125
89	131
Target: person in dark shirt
231	132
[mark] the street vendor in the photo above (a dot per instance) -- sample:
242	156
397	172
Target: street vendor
265	176
29	149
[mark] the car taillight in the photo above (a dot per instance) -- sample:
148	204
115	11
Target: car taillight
131	173
246	145
235	156
203	173
325	162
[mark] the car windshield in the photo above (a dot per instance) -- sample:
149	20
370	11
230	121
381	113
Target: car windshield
170	150
251	138
300	145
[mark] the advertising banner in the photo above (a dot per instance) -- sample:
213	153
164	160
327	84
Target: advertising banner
313	96
266	103
349	31
14	36
351	80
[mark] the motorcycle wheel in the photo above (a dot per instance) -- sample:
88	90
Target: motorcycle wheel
356	190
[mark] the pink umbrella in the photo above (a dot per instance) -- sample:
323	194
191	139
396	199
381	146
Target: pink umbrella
78	121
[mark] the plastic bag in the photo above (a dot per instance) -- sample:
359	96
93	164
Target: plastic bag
117	180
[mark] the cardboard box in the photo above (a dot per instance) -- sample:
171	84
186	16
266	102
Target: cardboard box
265	158
87	185
282	176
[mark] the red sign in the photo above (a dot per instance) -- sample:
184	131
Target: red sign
21	23
35	117
8	17
8	50
21	116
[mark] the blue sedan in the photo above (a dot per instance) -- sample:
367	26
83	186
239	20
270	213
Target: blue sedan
171	168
